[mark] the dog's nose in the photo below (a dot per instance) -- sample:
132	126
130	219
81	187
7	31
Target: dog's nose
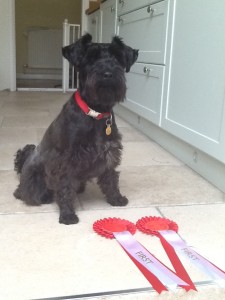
107	75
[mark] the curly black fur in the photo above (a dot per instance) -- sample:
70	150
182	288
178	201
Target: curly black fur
75	147
21	156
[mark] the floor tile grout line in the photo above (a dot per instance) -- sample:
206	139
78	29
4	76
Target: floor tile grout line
160	212
100	294
119	292
28	213
82	209
190	204
152	206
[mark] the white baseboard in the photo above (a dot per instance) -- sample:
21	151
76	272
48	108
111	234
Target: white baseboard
39	89
39	76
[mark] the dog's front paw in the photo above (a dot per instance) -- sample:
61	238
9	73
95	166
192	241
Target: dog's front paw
17	193
121	201
68	219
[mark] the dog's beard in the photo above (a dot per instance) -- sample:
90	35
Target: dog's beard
105	93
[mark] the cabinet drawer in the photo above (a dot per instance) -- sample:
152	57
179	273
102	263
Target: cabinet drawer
144	91
145	29
125	6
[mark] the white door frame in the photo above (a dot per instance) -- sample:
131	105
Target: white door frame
12	45
12	37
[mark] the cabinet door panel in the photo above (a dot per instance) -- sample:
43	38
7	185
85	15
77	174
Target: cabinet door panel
125	6
145	29
108	20
144	91
194	108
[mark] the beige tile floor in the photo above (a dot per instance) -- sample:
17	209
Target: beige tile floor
42	259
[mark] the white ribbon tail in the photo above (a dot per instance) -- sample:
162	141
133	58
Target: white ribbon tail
137	251
205	265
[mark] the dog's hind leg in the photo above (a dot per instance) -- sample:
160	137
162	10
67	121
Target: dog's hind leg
109	184
32	188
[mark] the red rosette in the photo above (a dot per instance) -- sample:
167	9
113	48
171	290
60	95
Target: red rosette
152	225
106	227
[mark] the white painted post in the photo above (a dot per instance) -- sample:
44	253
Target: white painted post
71	33
65	75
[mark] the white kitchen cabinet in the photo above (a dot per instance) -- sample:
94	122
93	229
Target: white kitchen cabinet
144	91
194	98
94	26
108	20
145	29
176	89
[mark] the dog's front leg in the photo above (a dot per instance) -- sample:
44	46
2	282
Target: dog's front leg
65	200
109	184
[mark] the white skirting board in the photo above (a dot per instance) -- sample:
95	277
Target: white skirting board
39	76
205	165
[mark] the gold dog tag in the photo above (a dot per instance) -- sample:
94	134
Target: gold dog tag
108	130
108	124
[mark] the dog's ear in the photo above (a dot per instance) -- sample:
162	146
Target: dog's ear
131	55
75	52
125	54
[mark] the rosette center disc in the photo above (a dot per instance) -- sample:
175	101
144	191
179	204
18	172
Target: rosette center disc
114	227
156	225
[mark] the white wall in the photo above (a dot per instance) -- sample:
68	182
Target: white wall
7	45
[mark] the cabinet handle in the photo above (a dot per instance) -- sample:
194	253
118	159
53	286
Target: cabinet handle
93	21
112	9
150	10
146	70
121	20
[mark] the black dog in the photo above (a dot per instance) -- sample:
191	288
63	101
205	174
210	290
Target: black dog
83	142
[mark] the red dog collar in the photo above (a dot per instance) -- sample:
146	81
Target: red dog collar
87	110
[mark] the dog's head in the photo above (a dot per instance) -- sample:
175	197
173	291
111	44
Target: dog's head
101	69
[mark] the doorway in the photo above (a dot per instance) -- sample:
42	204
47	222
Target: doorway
39	38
